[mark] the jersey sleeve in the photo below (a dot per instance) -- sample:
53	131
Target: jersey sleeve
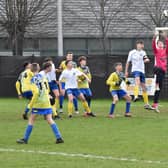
89	74
111	80
167	46
129	59
62	65
18	87
62	76
154	45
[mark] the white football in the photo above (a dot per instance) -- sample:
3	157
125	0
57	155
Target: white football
165	13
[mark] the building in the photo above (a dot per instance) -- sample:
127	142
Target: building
82	30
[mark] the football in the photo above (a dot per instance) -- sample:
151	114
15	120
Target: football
165	13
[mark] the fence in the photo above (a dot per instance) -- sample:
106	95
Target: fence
100	66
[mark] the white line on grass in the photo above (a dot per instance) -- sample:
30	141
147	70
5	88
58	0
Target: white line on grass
84	156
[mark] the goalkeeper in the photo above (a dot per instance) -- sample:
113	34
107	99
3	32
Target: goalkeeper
114	81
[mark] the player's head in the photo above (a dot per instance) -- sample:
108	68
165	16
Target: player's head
27	65
47	66
139	44
118	66
48	59
35	67
69	56
160	44
69	64
82	60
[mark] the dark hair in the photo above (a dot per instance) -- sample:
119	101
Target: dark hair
47	59
66	63
139	42
81	58
46	65
117	63
26	63
35	67
69	53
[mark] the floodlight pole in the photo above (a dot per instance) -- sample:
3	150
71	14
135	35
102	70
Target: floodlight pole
15	32
60	32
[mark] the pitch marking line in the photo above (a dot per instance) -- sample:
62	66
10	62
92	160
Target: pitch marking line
83	156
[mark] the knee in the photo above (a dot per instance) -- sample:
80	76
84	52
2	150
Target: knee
115	101
50	120
129	99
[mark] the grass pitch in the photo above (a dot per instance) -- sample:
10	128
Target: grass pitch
137	142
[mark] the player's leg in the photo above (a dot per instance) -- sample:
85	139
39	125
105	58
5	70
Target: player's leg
55	105
75	103
115	99
70	102
136	75
61	97
28	95
145	94
88	95
159	84
54	128
28	130
128	105
85	104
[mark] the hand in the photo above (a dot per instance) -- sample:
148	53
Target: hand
156	33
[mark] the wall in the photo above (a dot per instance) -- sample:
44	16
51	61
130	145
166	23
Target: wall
100	66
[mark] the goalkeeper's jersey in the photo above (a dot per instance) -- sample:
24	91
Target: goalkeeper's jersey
23	83
82	82
40	90
112	80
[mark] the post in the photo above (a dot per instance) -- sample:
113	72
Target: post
60	32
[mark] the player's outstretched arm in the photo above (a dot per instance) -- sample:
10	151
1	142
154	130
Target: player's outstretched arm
126	69
18	89
166	40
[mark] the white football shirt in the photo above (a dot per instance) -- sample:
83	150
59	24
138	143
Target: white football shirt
70	77
137	59
43	74
51	76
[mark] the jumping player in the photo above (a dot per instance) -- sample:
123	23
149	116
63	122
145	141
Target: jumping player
23	86
40	105
138	58
114	82
161	53
71	75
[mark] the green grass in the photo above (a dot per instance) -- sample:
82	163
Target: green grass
143	137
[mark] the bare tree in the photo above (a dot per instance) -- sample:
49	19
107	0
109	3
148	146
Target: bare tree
17	15
151	10
106	13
